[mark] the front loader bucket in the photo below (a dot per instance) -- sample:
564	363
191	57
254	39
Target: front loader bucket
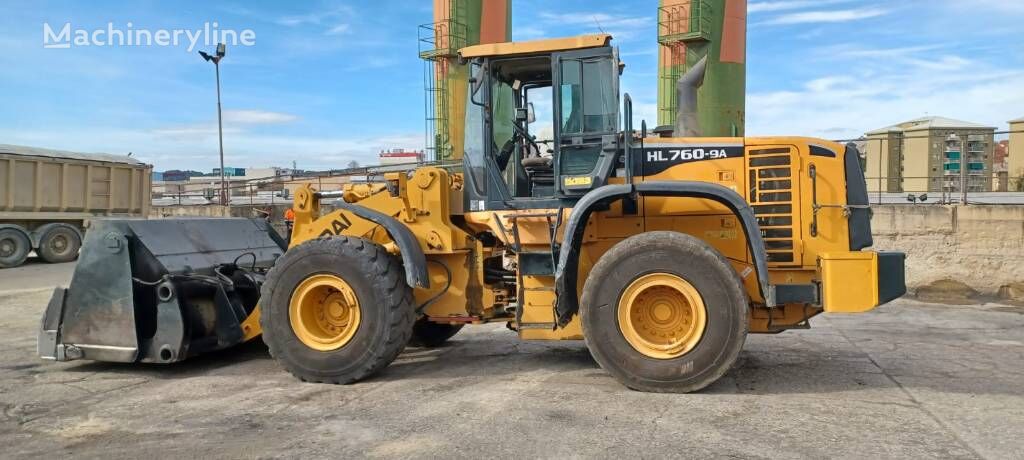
159	291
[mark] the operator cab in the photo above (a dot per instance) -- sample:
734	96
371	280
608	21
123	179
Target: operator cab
542	122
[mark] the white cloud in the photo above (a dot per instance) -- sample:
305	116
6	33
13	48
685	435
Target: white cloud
193	131
825	84
235	122
198	149
337	20
257	117
316	17
605	20
834	16
786	5
878	53
621	27
1006	6
339	29
934	56
373	62
528	33
887	86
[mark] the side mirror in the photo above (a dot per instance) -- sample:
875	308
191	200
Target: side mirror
531	116
643	129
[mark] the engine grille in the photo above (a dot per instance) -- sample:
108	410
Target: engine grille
773	182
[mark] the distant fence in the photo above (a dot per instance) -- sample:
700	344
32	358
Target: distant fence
944	166
949	166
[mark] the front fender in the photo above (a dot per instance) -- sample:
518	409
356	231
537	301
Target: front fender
415	262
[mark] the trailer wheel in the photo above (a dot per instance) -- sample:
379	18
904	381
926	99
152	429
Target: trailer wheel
336	310
59	244
664	312
14	247
426	333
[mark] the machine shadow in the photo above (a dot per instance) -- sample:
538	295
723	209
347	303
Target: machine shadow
236	360
760	370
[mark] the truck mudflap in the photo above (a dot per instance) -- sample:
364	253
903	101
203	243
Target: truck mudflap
159	291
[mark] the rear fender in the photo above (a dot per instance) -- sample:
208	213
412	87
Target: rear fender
568	258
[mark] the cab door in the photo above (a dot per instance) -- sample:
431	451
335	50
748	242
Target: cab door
586	119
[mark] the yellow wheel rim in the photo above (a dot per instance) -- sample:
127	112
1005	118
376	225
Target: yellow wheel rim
324	312
662	316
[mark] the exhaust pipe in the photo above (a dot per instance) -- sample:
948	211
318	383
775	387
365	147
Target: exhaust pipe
159	291
687	123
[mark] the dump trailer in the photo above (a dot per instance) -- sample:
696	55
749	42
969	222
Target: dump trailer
662	253
47	195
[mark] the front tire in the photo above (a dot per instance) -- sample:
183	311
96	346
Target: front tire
336	310
664	312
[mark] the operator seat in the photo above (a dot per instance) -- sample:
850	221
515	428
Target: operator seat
542	175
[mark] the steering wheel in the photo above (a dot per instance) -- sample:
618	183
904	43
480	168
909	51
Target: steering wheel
549	143
522	132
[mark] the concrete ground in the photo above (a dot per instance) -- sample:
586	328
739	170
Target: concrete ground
35	274
908	380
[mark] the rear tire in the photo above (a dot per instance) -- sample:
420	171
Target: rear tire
647	346
59	244
426	333
14	247
382	312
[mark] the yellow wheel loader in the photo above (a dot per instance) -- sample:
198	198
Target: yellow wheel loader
661	253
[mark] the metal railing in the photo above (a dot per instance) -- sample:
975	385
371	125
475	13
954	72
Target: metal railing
274	189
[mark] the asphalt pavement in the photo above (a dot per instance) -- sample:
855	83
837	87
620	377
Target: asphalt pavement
909	380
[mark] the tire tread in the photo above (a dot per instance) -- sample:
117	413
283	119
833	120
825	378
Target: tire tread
388	275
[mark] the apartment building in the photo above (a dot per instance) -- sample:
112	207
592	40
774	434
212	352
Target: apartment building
930	154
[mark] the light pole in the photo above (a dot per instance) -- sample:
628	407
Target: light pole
221	51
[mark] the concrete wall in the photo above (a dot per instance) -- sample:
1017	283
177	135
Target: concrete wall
980	246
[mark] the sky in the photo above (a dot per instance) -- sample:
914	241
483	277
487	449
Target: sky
326	82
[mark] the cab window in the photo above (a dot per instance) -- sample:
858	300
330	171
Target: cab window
588	102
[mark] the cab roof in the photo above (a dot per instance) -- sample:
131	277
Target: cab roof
536	46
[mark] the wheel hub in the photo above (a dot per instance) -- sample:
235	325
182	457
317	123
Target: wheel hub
662	315
6	248
324	312
59	244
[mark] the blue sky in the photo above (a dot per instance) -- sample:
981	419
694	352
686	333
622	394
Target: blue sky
332	81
